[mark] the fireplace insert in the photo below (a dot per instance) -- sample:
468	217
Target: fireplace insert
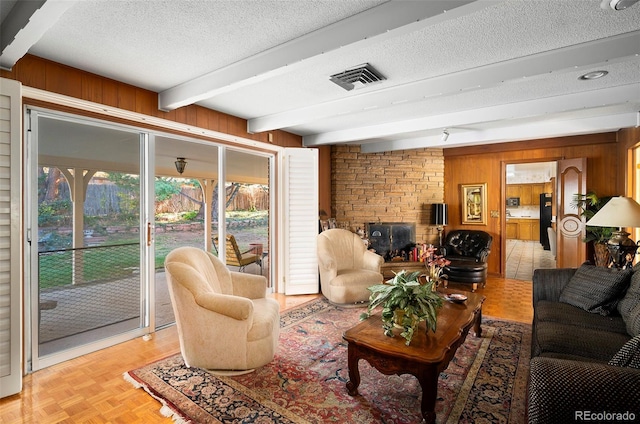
392	240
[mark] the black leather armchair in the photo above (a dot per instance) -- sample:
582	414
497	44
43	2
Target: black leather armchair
468	251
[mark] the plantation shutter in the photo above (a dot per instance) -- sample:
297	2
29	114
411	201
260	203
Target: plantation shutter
300	220
10	291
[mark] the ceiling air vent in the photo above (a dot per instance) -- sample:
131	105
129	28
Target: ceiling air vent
357	77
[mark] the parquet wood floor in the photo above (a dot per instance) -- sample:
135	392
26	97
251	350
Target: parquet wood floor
91	389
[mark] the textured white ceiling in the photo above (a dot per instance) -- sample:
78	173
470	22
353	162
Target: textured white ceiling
489	71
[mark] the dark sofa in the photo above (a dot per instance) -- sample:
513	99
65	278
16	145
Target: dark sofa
585	345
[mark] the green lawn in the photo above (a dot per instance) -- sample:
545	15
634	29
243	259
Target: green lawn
97	264
108	262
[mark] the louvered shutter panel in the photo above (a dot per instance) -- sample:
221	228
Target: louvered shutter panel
10	298
300	221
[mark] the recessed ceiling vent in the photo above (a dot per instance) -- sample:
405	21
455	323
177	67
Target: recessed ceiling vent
358	77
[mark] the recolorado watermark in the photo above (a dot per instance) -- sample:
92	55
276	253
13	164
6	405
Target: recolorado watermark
600	416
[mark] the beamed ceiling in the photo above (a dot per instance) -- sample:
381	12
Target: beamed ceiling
487	71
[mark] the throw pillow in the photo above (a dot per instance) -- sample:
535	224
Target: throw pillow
596	289
628	355
629	305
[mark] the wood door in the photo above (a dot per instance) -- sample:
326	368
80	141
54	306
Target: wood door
571	180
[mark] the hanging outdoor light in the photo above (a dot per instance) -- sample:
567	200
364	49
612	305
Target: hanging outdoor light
180	165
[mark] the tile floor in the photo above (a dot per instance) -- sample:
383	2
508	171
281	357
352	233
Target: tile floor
525	256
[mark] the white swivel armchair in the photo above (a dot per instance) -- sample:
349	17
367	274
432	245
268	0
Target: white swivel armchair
224	319
347	268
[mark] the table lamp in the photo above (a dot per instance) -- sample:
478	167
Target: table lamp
620	212
440	218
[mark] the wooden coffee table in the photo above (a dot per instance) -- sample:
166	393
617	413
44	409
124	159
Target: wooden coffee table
426	356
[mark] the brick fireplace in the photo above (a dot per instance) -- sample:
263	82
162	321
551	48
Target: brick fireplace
388	187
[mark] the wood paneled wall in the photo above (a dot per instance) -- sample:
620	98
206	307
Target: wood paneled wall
485	164
324	180
628	139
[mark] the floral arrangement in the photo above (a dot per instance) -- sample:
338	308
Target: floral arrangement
435	265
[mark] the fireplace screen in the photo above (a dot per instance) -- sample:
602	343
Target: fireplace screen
392	239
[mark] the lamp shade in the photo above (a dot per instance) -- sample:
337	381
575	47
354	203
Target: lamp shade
440	214
618	212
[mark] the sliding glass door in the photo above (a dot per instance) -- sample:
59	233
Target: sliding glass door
247	206
106	204
88	236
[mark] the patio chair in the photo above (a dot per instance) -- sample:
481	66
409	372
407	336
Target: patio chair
225	320
237	258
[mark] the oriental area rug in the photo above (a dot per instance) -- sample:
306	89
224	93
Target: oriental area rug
306	382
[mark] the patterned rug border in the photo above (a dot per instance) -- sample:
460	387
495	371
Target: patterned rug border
167	409
314	307
522	372
465	390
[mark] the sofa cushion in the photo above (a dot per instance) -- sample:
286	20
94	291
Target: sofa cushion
628	355
633	321
569	357
579	342
596	289
565	313
629	305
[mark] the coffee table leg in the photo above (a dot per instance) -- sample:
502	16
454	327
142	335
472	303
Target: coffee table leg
428	378
354	372
476	326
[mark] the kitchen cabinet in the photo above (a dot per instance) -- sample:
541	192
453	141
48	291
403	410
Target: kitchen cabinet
525	195
536	191
513	190
523	229
529	194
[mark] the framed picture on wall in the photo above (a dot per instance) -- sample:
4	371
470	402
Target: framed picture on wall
474	203
332	223
324	225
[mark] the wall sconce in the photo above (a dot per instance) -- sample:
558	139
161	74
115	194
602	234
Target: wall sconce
180	165
445	135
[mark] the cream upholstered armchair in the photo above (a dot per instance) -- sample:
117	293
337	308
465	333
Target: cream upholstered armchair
224	319
347	268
